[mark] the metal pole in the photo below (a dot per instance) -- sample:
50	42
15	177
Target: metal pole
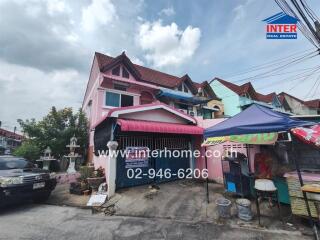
248	157
207	179
314	227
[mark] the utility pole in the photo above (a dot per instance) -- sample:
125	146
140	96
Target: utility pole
317	26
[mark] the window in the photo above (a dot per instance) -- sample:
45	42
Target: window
118	100
246	95
125	73
126	100
185	89
116	71
89	106
207	114
199	111
112	99
183	106
204	94
14	163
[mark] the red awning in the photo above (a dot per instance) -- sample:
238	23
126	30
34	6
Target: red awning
158	127
308	135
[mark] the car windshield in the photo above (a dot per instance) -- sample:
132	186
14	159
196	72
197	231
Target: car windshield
7	163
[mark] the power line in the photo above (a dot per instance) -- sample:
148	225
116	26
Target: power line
290	78
306	28
303	24
279	68
307	77
309	11
316	89
283	73
303	76
269	64
306	20
313	87
288	10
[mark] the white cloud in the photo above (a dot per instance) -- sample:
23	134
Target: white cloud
57	6
240	12
33	10
205	62
136	60
99	12
72	38
132	58
27	92
167	45
168	11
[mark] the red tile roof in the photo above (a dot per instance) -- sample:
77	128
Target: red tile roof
283	94
147	74
198	85
247	88
103	60
266	98
158	78
313	103
9	134
281	98
235	88
206	86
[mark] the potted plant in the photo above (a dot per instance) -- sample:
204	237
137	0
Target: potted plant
96	178
82	185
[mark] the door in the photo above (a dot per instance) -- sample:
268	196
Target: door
133	171
168	168
140	170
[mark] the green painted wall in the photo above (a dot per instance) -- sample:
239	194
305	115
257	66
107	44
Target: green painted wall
230	99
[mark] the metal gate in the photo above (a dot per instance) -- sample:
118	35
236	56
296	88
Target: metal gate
154	143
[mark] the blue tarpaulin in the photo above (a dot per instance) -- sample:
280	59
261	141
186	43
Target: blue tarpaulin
182	96
255	119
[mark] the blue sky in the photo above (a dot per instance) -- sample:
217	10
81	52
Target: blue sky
47	46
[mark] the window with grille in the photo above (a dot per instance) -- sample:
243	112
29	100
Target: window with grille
125	73
116	71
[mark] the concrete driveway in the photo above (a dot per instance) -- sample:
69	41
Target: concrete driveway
56	222
183	200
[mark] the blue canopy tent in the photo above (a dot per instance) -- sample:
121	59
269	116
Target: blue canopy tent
258	119
255	119
182	96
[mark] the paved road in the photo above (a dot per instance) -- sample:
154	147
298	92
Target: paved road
54	222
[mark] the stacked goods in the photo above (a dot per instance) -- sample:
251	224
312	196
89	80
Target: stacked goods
298	205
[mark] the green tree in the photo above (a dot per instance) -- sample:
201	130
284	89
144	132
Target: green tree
55	131
28	150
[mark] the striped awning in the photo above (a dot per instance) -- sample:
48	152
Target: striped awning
158	127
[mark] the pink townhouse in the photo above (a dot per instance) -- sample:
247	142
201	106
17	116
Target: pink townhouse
144	108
